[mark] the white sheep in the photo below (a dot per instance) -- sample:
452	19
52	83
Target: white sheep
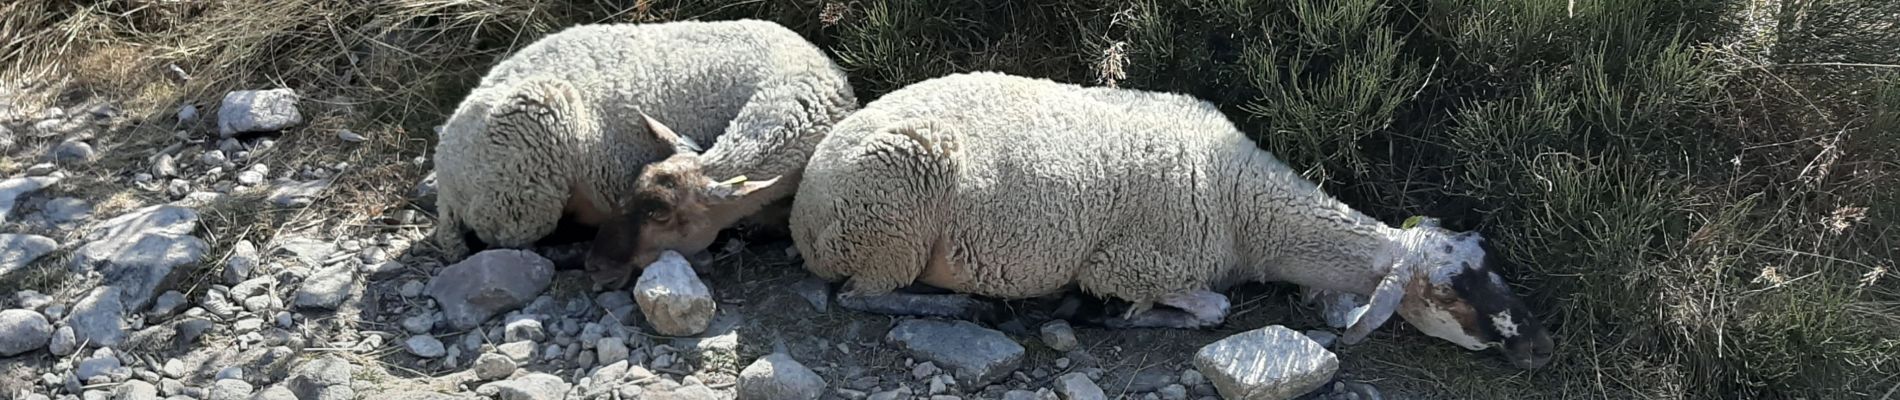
560	130
1012	187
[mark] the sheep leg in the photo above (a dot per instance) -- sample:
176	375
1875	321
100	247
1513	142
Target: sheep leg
1190	310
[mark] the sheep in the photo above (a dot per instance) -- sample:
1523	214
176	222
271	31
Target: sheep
681	203
558	132
1012	187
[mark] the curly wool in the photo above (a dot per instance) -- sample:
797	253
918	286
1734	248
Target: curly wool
556	128
1016	187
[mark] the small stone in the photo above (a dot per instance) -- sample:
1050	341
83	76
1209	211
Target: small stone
167	304
349	136
487	283
1192	378
411	289
32	299
524	329
1058	335
230	389
1019	395
66	209
326	288
140	251
778	376
673	298
1063	363
493	366
974	355
258	111
1324	338
174	369
250	177
383	270
924	370
102	363
1363	391
815	291
535	386
553	352
213	158
424	346
99	318
899	394
232	372
521	352
419	324
1173	392
611	350
187	114
22	331
1078	386
19	250
64	342
299	194
73	151
1271	362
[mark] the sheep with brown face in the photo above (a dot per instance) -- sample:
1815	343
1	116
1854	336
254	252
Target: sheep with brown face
1012	187
561	128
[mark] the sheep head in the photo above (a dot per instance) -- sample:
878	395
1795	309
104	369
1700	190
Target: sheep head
1443	284
673	206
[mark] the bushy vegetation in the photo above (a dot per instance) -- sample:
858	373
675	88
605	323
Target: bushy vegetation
1700	195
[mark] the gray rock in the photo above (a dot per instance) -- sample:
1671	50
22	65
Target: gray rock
12	189
425	346
327	287
778	376
487	283
299	194
492	366
309	252
1173	392
22	331
99	318
1192	378
383	270
213	158
258	111
924	370
250	177
1324	338
135	390
522	351
1078	386
102	363
242	261
975	355
140	250
232	372
1019	395
64	343
19	250
1267	363
611	350
174	369
230	389
41	169
32	299
73	151
231	146
815	291
167	304
535	386
349	136
66	209
672	297
165	166
528	329
187	114
411	289
420	324
1058	335
1149	380
275	393
326	378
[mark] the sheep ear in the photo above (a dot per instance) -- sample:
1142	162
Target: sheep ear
1384	301
681	144
738	186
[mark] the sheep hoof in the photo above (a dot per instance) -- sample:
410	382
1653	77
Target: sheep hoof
1190	310
919	305
1161	318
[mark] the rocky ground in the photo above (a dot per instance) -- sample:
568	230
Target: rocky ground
121	298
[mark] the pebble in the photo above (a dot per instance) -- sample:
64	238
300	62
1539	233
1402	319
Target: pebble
232	372
419	324
492	366
1058	335
73	151
924	370
174	369
1192	378
326	288
424	346
349	136
522	351
22	331
974	355
487	283
674	300
1173	392
258	111
528	329
611	350
213	158
534	386
103	363
1078	386
778	376
230	389
1324	338
64	342
31	299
